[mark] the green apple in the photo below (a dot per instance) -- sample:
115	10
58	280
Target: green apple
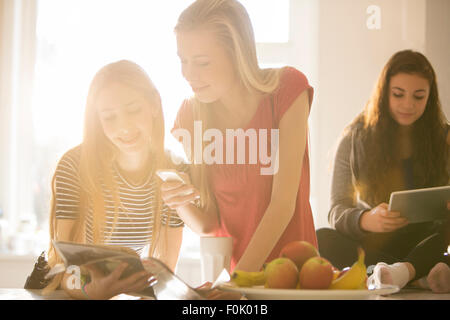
281	273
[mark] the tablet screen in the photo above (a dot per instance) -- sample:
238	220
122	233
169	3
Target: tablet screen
421	205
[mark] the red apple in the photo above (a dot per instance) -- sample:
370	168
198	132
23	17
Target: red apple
316	273
281	273
299	252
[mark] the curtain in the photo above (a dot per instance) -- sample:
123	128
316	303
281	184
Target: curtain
17	59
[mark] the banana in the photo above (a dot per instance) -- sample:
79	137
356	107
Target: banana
336	274
248	279
363	285
355	277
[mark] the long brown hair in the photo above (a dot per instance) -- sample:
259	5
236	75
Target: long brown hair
98	154
377	128
230	22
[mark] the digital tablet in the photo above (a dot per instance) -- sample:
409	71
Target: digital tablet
421	205
167	287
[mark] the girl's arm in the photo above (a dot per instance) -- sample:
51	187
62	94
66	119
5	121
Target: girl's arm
202	221
199	220
292	144
344	216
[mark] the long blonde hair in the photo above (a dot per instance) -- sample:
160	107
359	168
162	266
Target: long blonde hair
98	154
230	22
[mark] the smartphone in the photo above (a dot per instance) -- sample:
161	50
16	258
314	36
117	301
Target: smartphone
172	175
169	175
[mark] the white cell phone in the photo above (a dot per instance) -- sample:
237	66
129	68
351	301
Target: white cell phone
169	175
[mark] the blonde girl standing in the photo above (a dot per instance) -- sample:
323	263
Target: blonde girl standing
261	212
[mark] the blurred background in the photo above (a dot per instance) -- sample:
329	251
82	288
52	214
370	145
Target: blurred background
50	50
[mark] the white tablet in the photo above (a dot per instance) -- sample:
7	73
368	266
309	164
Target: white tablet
421	205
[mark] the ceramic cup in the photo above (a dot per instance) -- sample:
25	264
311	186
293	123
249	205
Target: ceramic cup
215	255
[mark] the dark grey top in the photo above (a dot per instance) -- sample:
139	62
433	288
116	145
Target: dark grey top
346	206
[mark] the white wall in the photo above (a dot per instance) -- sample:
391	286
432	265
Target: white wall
438	46
14	270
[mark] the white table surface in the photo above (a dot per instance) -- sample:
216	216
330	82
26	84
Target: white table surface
23	294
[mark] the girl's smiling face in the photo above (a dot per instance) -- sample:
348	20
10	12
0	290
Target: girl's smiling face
126	118
408	96
205	64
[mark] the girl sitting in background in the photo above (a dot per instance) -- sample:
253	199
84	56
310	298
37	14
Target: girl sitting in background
400	141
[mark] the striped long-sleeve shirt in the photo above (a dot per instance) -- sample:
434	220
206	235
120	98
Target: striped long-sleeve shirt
133	227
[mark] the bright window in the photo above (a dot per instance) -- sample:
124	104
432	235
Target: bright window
270	19
76	38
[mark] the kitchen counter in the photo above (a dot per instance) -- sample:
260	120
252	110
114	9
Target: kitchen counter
415	294
23	294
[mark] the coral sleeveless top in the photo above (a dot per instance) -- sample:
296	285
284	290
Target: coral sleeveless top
241	192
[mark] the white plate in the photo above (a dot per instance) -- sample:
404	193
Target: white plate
261	293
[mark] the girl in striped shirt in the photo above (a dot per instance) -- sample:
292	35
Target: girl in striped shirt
105	190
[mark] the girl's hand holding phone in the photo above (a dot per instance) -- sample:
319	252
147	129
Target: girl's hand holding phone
380	219
177	191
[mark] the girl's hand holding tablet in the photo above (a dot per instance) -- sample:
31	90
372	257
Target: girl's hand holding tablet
104	287
177	190
380	219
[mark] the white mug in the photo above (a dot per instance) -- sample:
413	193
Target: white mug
215	255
